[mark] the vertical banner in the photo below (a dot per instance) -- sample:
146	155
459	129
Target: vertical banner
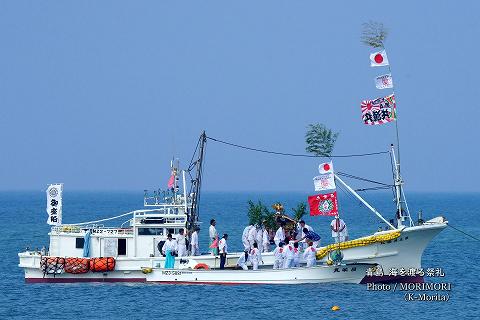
54	204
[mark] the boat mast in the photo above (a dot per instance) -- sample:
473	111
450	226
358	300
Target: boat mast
400	199
196	182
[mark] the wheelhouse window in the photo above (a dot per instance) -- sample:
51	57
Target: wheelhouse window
79	243
122	247
150	231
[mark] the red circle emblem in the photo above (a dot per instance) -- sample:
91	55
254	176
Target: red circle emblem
326	167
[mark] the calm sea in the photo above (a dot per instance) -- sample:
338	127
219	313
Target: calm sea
23	221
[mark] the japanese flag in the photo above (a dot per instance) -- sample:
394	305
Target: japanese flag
379	59
326	167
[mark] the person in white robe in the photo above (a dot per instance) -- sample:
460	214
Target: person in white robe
259	238
213	234
296	255
194	242
339	230
255	256
266	241
309	255
169	248
280	235
181	244
242	261
279	255
252	235
246	245
289	255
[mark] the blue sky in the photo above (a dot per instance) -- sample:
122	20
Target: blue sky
100	95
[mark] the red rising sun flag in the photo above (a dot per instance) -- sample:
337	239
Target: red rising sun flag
379	59
323	204
379	111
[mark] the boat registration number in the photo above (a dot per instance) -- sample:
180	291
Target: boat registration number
174	273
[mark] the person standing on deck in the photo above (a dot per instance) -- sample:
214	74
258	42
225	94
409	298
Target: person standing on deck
246	245
339	230
255	256
213	234
266	240
302	225
168	249
252	235
279	255
289	255
280	234
194	242
223	248
181	244
309	255
296	255
259	238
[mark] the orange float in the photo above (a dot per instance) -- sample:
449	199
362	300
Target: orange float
102	264
77	265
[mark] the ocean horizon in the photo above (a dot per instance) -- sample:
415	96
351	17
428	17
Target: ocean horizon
24	219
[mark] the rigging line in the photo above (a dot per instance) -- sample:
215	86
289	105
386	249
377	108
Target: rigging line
102	220
465	233
192	163
296	154
374	188
360	178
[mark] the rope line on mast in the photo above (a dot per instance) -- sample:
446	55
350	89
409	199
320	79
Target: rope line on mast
296	154
347	175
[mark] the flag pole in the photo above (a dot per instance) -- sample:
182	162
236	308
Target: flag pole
396	160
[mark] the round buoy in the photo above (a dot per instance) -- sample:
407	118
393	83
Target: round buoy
335	308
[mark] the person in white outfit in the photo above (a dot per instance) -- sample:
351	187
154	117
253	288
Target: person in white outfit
280	234
242	261
223	248
213	234
181	244
296	255
246	245
279	255
168	249
289	255
339	230
266	241
252	235
259	238
309	255
194	242
255	256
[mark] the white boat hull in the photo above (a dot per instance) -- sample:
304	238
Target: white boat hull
353	273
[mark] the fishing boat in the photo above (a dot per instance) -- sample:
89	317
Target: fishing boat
92	252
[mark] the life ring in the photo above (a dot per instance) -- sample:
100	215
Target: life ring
201	266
